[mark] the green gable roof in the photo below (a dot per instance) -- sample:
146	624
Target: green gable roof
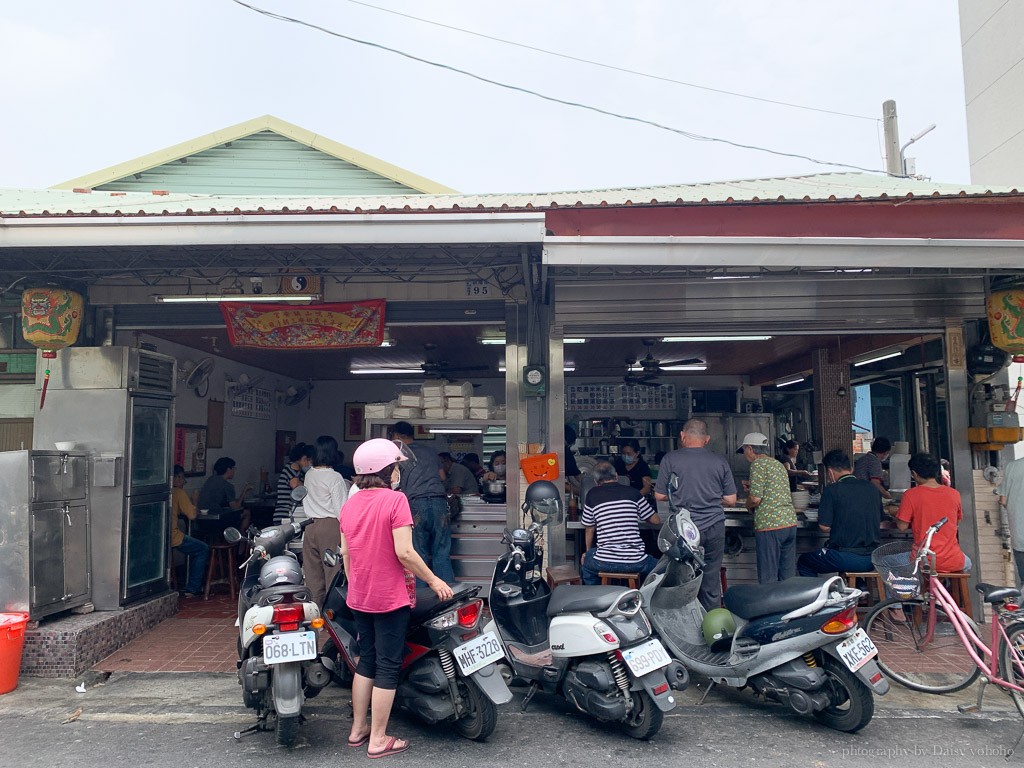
265	156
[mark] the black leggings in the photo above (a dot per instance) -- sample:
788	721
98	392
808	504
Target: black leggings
381	645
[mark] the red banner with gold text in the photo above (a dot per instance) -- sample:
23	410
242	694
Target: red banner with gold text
317	326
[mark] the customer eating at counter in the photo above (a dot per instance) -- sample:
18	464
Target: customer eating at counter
850	512
194	550
924	505
769	498
217	496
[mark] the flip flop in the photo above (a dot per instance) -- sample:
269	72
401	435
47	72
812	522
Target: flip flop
359	743
390	749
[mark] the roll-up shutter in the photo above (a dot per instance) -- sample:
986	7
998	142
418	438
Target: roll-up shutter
837	303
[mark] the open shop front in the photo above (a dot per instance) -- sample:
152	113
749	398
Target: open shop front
801	338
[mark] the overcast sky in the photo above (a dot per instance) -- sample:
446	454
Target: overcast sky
88	85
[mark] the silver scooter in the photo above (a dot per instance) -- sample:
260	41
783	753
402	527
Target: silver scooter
795	642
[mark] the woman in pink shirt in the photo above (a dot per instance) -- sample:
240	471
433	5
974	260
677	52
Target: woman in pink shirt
377	550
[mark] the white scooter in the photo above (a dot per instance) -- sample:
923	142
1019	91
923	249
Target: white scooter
795	642
590	645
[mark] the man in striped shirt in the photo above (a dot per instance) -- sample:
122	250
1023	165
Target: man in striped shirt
613	512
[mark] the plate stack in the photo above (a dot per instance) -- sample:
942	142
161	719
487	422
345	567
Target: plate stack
801	500
811	513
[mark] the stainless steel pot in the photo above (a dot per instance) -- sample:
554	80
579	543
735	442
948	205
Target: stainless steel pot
494	487
660	429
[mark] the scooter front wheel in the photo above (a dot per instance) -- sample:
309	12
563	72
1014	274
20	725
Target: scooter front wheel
851	703
644	720
480	721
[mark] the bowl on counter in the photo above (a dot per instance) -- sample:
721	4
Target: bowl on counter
65	445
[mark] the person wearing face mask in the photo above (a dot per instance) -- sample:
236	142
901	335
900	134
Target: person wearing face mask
631	464
496	466
850	513
423	484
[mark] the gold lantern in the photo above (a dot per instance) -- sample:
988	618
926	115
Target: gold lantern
50	320
1006	321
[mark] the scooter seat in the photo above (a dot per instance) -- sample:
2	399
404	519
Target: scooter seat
571	598
749	601
427	604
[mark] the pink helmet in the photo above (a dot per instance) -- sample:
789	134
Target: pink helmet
374	455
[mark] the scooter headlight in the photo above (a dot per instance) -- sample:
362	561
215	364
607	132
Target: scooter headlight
691	535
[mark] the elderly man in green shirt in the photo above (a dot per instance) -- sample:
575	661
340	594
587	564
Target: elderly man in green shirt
768	497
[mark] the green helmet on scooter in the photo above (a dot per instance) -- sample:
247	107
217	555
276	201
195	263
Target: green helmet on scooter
718	627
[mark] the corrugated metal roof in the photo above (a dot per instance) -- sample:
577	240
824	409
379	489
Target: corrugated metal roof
816	187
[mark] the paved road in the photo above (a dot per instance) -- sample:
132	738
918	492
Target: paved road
186	720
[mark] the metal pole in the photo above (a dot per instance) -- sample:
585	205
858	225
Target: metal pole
893	166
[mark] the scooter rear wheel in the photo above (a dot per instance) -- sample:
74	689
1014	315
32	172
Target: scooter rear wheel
287	730
479	723
853	704
645	719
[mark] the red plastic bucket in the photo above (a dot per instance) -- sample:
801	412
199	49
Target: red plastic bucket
12	641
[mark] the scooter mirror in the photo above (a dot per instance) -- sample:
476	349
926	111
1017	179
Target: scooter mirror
232	535
330	558
298	493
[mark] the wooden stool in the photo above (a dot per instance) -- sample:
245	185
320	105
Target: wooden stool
562	574
610	579
723	580
870	577
957	585
222	558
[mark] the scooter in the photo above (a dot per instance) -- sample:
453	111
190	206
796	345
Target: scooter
278	664
590	644
450	671
796	642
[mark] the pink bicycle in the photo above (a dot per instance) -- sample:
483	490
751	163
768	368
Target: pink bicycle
921	634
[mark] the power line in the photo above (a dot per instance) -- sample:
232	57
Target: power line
631	118
612	66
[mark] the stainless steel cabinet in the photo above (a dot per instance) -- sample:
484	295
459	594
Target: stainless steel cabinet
44	540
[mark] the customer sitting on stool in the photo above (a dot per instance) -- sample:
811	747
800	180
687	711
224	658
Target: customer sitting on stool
850	512
196	551
614	512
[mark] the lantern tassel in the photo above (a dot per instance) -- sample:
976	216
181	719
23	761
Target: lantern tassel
1011	404
48	354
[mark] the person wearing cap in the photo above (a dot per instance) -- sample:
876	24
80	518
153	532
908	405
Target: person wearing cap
423	484
769	498
869	466
706	486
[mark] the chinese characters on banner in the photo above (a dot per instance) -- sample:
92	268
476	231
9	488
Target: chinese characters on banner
320	326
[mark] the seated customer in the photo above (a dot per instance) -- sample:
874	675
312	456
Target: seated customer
925	504
196	551
614	512
458	480
850	513
218	496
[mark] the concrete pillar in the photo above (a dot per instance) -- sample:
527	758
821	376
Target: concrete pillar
833	416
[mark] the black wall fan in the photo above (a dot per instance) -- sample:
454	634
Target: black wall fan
651	368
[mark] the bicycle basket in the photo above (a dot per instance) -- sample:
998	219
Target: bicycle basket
895	564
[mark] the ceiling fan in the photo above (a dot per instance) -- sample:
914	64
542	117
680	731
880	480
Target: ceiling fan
436	368
651	368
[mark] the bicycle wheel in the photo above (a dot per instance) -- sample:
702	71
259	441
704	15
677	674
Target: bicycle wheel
939	666
1011	663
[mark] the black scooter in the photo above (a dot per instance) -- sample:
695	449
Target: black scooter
450	672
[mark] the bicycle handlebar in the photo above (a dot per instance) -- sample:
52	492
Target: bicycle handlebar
925	549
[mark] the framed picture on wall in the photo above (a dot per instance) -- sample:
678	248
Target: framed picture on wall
190	448
421	432
354	421
284	441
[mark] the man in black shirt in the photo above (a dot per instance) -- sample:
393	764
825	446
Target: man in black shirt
850	513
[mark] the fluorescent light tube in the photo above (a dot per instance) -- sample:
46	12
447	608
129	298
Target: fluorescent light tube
692	367
492	340
574	341
876	358
568	368
385	370
454	431
787	382
215	299
715	338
